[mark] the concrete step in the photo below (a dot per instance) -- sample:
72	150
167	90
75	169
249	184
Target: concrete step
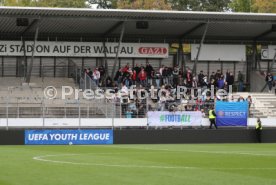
265	99
263	95
268	100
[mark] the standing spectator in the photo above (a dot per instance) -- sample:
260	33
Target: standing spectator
134	77
269	81
241	99
125	69
240	82
137	69
162	102
230	79
170	75
143	77
157	77
199	104
161	74
118	77
212	83
152	76
249	100
175	76
227	74
108	82
165	74
130	71
149	70
212	77
132	106
200	79
194	83
102	73
89	72
141	108
189	79
129	113
124	98
141	67
161	69
218	75
126	77
96	76
220	82
204	83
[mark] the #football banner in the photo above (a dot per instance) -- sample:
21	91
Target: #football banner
231	113
166	118
65	137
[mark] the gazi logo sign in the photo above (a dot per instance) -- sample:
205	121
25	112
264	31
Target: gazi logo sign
153	50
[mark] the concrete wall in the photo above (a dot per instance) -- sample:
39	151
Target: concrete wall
142	136
101	122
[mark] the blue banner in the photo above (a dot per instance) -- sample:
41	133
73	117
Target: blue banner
71	137
231	113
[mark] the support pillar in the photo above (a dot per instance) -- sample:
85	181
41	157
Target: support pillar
28	76
118	50
199	48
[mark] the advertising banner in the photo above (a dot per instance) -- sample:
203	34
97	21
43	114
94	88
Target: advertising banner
269	53
219	52
231	113
166	118
71	137
84	49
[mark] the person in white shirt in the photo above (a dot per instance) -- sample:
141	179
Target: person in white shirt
96	76
124	89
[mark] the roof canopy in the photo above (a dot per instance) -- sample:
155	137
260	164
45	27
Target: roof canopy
68	24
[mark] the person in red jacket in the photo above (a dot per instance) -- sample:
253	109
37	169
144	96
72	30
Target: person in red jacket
143	77
134	77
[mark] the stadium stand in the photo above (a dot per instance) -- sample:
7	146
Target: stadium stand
228	61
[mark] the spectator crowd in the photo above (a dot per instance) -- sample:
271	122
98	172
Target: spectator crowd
166	79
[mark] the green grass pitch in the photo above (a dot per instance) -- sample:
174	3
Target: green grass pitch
181	164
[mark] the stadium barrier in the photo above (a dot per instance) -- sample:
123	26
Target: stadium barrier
72	122
108	122
163	136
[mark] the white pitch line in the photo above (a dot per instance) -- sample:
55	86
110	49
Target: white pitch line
200	151
42	158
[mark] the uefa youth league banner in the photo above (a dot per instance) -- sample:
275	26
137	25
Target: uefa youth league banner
231	113
65	137
166	118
